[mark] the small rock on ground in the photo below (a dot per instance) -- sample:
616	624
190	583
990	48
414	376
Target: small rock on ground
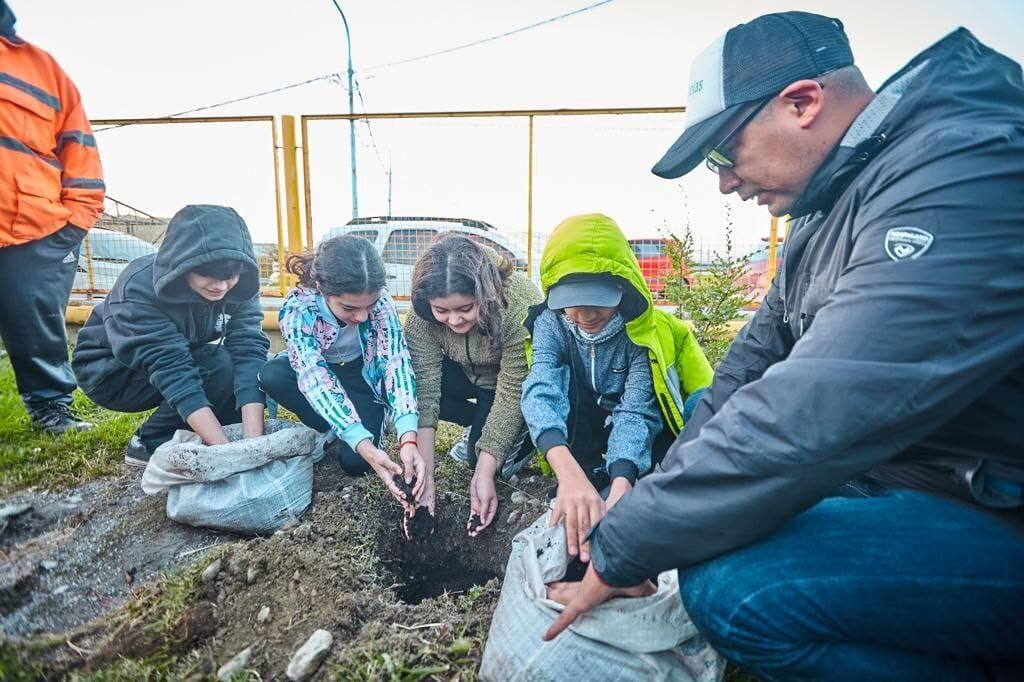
235	665
211	571
264	615
310	655
517	498
251	575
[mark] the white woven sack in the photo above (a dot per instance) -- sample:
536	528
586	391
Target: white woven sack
255	502
647	638
249	486
185	459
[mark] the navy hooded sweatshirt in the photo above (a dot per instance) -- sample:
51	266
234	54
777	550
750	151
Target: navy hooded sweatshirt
152	320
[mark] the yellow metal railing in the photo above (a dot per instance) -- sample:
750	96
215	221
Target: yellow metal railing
293	211
282	285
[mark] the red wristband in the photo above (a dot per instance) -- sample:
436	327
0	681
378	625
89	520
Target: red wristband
408	441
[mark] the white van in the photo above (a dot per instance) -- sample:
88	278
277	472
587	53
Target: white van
402	240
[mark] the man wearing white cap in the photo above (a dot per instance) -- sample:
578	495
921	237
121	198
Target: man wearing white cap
847	501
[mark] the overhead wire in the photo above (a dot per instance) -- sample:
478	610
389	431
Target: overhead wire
498	36
336	76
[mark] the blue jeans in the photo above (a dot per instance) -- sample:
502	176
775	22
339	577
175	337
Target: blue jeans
900	586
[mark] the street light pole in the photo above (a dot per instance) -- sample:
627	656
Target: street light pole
351	110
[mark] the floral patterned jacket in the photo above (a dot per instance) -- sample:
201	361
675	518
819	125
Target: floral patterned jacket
309	329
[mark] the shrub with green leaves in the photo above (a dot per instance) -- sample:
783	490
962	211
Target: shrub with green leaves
714	297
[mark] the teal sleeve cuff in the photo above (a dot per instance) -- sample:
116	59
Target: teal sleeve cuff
406	423
355	433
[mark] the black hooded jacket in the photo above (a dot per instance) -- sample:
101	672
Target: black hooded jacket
152	320
891	344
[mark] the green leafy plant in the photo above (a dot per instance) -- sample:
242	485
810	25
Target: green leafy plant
713	297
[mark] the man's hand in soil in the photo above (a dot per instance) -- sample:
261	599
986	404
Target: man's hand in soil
252	420
386	470
413	463
578	502
582	596
483	500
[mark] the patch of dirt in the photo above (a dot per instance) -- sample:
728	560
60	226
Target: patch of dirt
75	556
346	567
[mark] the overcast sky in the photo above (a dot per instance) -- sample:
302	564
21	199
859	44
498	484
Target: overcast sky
149	58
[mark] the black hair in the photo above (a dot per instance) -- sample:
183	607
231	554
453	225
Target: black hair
222	269
341	265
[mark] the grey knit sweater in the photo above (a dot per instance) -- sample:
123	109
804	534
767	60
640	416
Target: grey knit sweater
502	372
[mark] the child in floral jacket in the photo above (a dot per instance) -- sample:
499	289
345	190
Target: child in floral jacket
347	367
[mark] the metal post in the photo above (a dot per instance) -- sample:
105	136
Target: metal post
291	185
529	208
306	182
282	273
88	267
351	111
773	243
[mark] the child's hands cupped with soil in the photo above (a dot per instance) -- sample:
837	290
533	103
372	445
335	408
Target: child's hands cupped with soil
388	471
414	526
483	499
581	506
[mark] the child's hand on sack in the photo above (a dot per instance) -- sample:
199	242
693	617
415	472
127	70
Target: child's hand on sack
582	507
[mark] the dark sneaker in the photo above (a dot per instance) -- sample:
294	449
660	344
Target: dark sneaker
56	418
136	454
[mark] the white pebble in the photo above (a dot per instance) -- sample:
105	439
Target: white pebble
308	658
235	665
211	571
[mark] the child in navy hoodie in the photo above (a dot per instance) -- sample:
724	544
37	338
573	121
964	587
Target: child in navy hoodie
181	331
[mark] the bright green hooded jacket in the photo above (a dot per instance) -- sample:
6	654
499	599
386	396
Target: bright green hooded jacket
594	244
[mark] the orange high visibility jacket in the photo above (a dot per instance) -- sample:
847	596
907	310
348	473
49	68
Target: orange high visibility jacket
50	171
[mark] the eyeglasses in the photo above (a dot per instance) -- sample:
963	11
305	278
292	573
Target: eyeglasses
717	158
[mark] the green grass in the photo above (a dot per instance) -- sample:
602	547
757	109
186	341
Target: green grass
31	458
157	608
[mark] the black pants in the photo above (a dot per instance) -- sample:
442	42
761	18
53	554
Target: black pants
466	404
589	428
280	383
129	390
36	280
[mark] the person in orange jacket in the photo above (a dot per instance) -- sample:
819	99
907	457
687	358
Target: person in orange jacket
51	192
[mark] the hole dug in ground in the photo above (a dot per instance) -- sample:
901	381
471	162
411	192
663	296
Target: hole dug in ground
448	560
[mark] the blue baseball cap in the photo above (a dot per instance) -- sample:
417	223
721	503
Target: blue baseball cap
597	291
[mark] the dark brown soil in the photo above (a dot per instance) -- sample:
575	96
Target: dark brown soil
575	571
475	522
345	567
420	526
406	488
